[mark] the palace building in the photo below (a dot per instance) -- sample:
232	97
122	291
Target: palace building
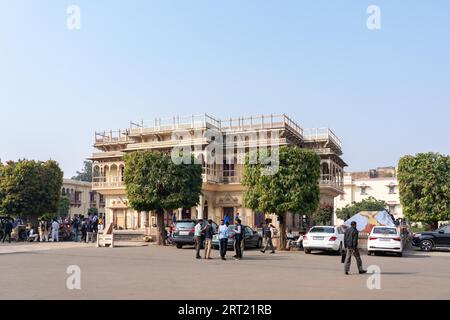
222	191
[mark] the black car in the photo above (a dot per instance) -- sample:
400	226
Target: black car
252	239
183	233
428	240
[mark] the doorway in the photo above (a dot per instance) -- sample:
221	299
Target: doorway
228	212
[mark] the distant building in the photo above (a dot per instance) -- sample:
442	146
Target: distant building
82	197
380	183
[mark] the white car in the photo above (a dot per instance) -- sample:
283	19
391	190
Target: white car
385	239
324	238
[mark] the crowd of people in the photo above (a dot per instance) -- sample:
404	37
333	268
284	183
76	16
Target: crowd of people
203	236
78	228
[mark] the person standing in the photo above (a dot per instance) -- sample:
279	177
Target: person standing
55	231
83	230
209	232
8	228
43	230
224	233
268	232
238	237
90	231
198	238
75	225
95	224
351	246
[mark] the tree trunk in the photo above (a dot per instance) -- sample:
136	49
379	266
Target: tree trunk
161	229
282	242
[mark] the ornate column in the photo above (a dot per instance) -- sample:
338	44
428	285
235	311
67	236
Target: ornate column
200	207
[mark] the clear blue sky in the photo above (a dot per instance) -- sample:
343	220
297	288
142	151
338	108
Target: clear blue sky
385	93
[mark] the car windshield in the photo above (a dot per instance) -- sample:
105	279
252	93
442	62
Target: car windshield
185	225
322	230
384	231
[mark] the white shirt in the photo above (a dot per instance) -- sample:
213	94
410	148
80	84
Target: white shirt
55	225
224	232
198	230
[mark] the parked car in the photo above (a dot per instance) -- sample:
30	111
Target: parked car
252	238
428	240
324	238
183	233
385	239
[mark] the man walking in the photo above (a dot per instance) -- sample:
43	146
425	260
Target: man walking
238	237
224	232
351	246
209	232
198	238
8	227
55	231
268	232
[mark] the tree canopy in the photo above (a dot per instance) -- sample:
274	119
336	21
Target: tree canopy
293	188
30	188
155	183
85	174
369	204
424	181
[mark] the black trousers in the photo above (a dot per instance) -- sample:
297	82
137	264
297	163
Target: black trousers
237	247
223	247
6	234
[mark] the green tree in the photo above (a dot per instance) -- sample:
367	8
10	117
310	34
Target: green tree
323	215
424	181
294	187
86	173
64	206
92	211
369	204
155	183
30	188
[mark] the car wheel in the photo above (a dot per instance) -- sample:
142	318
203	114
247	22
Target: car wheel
426	245
259	245
179	246
307	251
399	254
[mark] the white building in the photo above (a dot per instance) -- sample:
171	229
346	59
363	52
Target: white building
380	183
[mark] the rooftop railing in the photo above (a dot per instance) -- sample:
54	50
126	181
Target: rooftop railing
205	121
322	134
174	123
111	136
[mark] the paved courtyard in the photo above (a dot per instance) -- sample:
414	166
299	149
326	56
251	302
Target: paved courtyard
38	271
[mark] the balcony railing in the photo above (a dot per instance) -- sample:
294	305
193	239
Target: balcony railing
108	185
328	180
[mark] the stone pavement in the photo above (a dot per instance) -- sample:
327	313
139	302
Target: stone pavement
154	272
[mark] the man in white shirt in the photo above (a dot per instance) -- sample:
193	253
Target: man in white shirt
55	230
224	233
198	237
